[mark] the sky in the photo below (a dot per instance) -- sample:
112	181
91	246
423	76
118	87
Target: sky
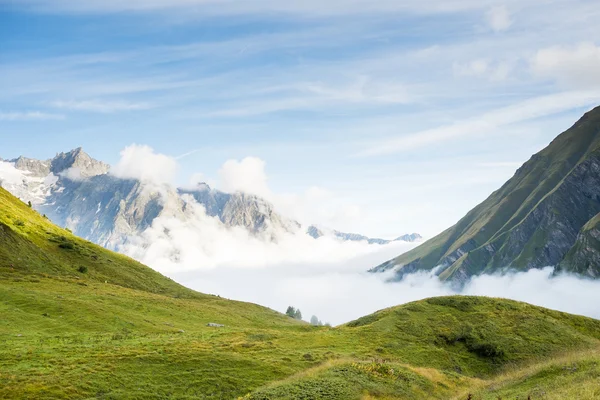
389	116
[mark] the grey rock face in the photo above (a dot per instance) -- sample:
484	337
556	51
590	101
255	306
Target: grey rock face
37	168
77	158
545	236
584	256
106	210
78	192
316	233
84	197
240	209
410	237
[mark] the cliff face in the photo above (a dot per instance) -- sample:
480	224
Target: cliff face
584	256
531	222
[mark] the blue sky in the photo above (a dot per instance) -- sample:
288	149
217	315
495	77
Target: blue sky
406	113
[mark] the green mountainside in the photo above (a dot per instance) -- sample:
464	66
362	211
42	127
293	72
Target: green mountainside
584	256
80	322
532	221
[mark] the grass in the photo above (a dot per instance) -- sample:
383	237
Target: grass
573	376
80	322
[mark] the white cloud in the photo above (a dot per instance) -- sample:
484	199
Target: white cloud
473	68
73	174
100	106
567	293
310	7
322	207
365	89
143	163
247	175
29	116
201	242
10	175
489	122
342	291
498	18
578	65
482	68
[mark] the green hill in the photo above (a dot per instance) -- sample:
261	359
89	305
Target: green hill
118	330
533	221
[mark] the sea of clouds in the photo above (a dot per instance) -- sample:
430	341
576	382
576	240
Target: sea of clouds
325	277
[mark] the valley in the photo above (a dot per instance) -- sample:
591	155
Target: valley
117	329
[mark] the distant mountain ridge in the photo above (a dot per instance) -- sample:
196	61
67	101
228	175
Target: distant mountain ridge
546	215
78	192
317	232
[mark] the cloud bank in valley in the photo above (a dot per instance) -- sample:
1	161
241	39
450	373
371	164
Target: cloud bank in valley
325	277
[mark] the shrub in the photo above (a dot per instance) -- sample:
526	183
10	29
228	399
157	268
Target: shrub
66	246
83	269
293	313
19	223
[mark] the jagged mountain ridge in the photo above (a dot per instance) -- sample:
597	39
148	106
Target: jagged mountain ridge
533	221
78	192
317	232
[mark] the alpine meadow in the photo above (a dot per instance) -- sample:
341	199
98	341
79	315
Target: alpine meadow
301	200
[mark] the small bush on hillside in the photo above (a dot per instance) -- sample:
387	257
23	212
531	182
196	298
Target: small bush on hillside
83	269
294	313
66	246
19	223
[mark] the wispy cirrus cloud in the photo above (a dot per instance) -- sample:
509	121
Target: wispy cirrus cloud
29	116
307	7
100	106
487	123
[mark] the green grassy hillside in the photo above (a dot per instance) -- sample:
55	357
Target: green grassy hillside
530	222
119	330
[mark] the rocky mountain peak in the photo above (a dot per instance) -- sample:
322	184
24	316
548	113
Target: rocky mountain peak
410	237
79	159
35	167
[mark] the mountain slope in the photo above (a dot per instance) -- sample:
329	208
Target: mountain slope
584	256
120	330
32	245
531	222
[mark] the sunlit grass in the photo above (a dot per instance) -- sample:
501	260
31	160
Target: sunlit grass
118	330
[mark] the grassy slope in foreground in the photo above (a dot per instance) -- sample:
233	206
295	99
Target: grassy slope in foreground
500	222
123	331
